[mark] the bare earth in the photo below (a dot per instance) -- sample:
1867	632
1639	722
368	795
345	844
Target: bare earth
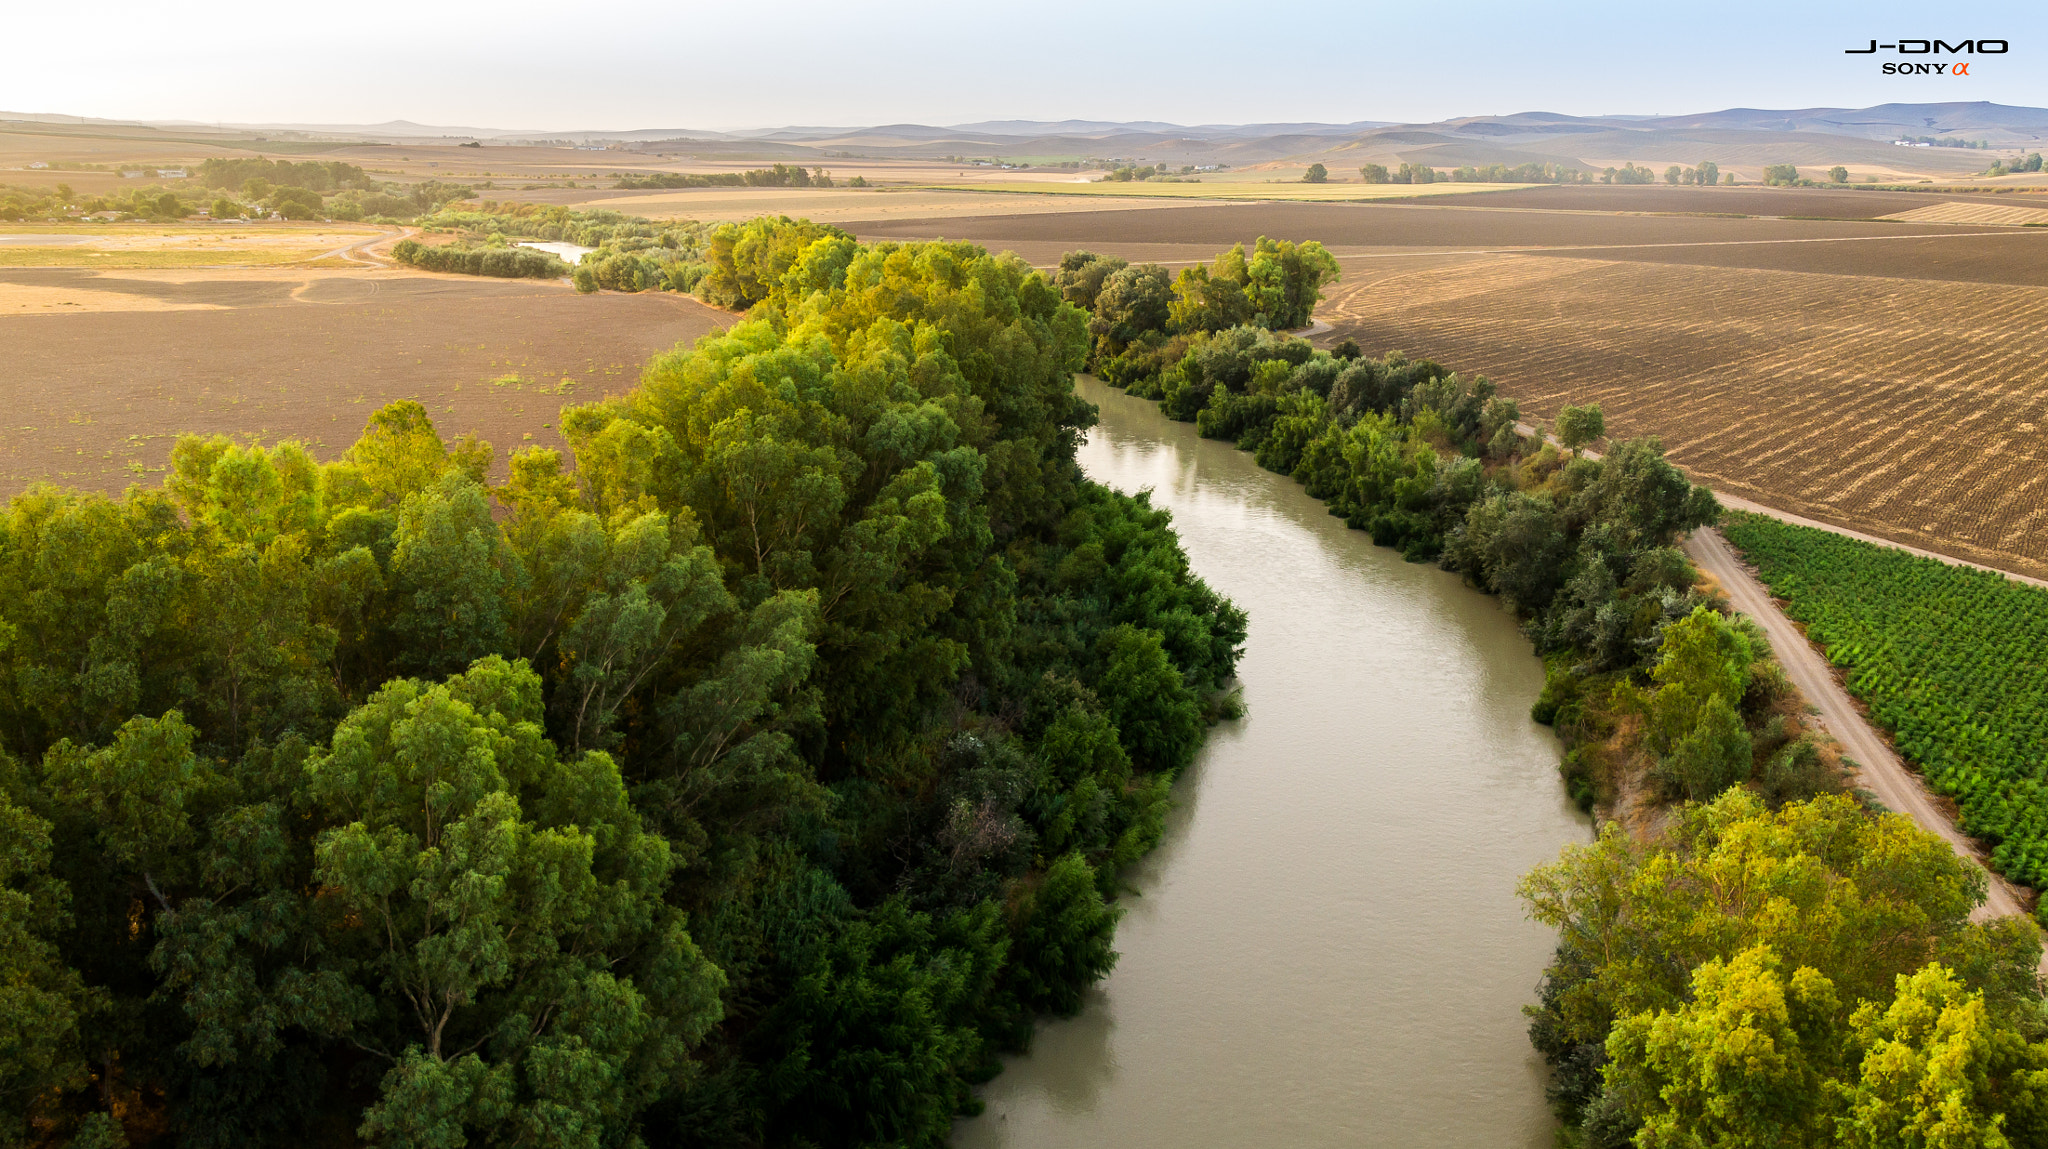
95	399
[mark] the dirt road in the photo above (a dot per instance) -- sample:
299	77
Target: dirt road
1879	770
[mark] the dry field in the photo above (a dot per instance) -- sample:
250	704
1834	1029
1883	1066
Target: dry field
1862	247
1798	203
126	246
1222	188
2003	212
825	205
1884	376
95	398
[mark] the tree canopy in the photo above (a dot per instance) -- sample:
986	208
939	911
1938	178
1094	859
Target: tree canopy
755	779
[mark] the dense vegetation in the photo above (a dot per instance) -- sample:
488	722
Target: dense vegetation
631	253
314	175
1949	659
1645	674
779	176
1783	979
1784	968
502	260
753	782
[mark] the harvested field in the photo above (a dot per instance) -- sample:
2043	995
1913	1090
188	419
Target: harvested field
1993	212
1380	225
1234	189
1824	203
95	400
1917	411
2006	256
122	246
825	205
1933	251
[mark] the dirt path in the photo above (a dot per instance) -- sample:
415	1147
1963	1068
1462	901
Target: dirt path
358	252
1878	769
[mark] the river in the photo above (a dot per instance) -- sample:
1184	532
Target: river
1327	948
570	253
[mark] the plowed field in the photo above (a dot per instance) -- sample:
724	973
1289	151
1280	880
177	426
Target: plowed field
1917	411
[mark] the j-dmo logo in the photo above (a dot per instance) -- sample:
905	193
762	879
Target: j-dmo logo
1931	48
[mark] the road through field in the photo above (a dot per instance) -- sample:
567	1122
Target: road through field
1878	769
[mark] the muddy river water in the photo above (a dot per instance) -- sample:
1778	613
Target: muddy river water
1327	948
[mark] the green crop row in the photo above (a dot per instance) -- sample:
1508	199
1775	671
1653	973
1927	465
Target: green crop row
1952	661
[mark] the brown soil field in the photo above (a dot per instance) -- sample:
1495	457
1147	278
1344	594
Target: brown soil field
825	205
1915	410
95	399
1372	224
1994	255
1926	251
1826	203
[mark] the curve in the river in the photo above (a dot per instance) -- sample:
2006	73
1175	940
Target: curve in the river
1327	948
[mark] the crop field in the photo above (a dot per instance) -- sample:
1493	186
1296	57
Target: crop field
1950	661
95	399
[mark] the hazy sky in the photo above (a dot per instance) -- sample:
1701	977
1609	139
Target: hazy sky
619	64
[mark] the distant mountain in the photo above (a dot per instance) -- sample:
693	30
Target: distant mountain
1803	135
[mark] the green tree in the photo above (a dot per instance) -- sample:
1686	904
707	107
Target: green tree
1745	1062
1579	426
1708	173
1373	173
1064	942
1838	174
41	997
1285	281
1134	301
1316	174
509	902
1937	1069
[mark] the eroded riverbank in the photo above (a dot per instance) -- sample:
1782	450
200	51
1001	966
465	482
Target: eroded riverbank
1327	949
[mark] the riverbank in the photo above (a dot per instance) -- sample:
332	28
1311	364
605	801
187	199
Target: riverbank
1326	948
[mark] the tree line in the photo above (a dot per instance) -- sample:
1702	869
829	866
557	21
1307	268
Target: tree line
1528	173
502	261
755	780
315	175
779	176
